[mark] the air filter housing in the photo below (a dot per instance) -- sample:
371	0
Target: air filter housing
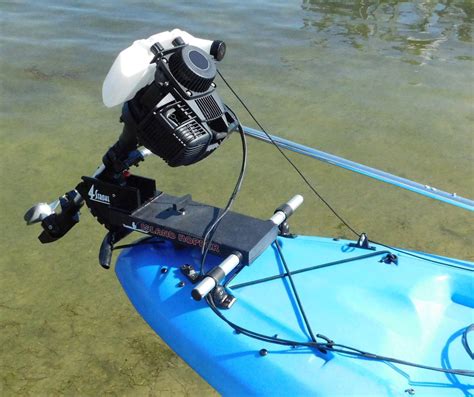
179	116
193	68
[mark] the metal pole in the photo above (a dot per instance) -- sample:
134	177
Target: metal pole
425	190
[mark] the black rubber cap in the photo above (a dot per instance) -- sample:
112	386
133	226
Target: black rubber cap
218	50
193	68
196	295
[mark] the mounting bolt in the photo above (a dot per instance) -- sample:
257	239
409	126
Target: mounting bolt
164	270
411	392
263	352
181	284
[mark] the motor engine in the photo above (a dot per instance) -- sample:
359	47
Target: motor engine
179	116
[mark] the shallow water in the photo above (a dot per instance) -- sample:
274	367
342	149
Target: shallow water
385	83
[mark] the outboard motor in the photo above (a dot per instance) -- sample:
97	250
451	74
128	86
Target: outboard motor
178	116
169	105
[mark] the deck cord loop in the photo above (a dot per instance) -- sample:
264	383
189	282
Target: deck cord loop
465	342
329	345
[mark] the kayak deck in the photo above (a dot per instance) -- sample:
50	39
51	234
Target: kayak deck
414	310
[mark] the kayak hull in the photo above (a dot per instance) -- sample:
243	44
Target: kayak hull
415	310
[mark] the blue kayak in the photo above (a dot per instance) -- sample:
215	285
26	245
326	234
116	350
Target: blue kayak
416	308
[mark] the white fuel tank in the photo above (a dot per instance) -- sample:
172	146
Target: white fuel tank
131	70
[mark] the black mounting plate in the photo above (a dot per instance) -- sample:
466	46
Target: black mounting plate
179	219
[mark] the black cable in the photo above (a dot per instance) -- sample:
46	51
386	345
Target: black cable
313	189
236	190
300	173
208	237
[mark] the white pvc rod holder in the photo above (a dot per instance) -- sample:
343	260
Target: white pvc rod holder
208	283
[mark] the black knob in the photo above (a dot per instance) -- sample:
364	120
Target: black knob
218	50
193	68
178	41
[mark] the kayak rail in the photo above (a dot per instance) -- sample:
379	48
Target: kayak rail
425	190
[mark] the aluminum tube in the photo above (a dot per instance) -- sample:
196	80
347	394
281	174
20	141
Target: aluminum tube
208	283
278	218
230	263
425	190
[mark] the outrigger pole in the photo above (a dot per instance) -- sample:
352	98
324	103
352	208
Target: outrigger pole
425	190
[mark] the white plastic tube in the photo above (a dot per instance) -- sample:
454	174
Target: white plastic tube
208	283
131	70
230	263
279	217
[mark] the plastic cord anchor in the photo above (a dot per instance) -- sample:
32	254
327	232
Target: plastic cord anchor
363	243
190	273
389	259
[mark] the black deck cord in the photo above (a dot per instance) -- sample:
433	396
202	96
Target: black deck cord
306	269
465	342
300	173
295	292
208	237
329	346
402	251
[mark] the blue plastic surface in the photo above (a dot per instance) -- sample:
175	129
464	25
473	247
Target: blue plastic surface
414	310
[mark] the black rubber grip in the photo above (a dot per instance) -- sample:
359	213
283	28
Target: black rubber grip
217	274
286	209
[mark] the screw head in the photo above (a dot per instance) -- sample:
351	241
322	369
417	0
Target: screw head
181	284
263	352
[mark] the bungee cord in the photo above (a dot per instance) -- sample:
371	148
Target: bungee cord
329	345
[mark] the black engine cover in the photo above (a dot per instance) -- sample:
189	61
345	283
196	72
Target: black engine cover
180	117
